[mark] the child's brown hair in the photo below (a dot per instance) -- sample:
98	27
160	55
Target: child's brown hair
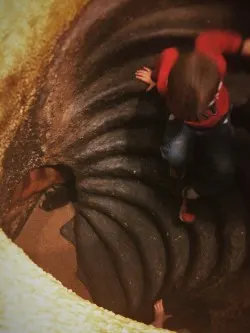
192	85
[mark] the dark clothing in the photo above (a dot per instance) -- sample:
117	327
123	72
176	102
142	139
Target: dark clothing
211	149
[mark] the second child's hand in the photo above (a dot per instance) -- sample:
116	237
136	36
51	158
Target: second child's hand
144	75
160	315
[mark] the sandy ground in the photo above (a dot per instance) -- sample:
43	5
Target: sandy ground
42	242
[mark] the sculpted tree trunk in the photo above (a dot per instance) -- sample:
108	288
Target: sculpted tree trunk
90	115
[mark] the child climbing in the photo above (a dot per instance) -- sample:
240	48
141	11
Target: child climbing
198	104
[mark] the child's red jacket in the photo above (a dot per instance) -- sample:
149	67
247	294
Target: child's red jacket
213	44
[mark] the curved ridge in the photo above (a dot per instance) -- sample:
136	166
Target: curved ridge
92	253
148	170
174	236
144	235
124	254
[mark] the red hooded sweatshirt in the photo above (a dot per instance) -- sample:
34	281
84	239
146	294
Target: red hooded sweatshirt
213	44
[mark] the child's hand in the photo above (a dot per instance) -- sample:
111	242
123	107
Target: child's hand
144	75
160	315
246	47
159	310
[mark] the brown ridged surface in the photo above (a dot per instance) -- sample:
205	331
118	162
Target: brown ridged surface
92	116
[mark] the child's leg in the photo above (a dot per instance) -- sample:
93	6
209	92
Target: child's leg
178	142
185	215
218	169
176	146
219	173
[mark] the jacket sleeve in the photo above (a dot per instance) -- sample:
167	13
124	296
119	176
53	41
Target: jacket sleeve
156	70
219	42
166	61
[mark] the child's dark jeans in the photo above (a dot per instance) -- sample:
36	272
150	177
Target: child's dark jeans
214	150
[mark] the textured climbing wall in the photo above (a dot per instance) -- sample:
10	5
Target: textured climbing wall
90	114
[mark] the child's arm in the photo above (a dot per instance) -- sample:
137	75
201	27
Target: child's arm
155	72
165	63
160	74
145	75
219	42
149	76
160	315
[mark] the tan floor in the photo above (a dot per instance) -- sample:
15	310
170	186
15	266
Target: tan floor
42	242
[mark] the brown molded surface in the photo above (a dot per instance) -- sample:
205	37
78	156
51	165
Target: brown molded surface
42	241
70	124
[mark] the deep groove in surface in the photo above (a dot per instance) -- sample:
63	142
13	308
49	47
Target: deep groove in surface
95	203
133	305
